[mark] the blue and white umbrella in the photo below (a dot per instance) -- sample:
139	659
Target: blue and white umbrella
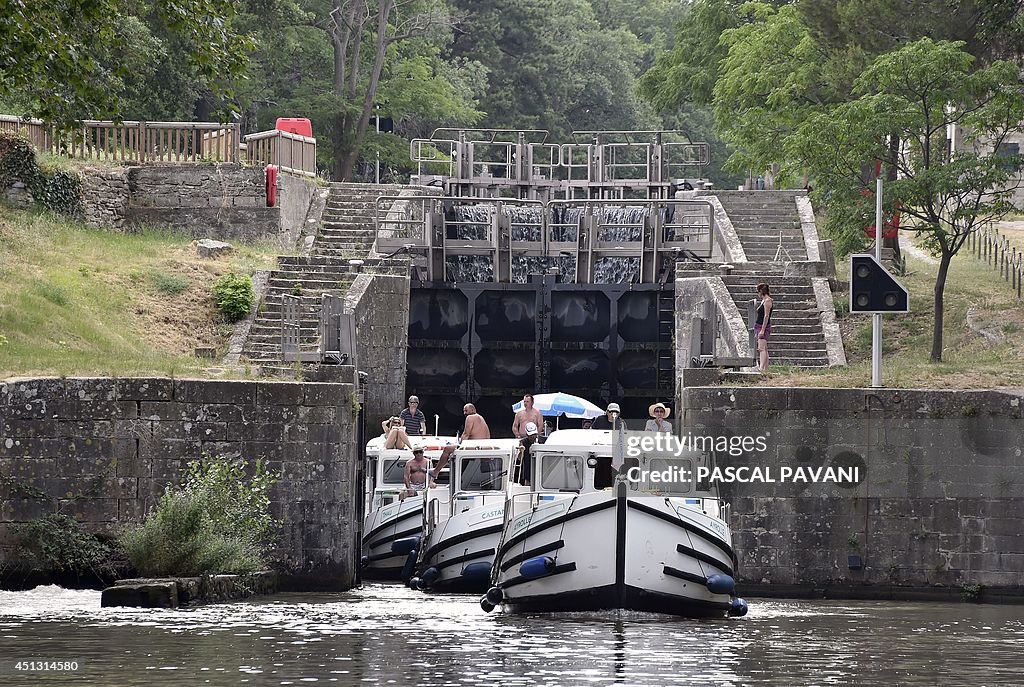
558	404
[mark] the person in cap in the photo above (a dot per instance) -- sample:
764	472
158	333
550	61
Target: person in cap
659	412
417	471
611	419
414	419
531	436
525	416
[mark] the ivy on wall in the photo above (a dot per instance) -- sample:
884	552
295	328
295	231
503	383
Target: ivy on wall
52	187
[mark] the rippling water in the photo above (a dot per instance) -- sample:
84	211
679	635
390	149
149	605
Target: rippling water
386	634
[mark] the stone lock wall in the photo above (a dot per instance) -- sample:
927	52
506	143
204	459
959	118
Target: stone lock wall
103	450
938	510
380	305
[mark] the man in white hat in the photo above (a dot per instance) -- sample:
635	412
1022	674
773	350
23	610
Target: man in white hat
611	419
659	412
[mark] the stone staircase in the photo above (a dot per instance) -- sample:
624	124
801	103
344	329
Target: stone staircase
797	336
346	234
760	218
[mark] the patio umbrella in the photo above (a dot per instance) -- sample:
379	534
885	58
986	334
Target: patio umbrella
557	403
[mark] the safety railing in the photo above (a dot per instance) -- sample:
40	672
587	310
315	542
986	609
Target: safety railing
34	130
510	235
493	163
996	251
136	141
290	152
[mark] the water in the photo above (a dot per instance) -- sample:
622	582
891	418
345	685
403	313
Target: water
385	634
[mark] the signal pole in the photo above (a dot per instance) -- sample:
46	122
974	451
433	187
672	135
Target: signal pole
876	322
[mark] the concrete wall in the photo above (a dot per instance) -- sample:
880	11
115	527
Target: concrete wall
692	293
104	449
380	304
938	511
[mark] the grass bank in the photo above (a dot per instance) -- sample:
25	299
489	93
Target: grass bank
81	301
975	298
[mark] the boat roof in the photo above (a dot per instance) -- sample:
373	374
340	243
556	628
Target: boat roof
488	444
583	439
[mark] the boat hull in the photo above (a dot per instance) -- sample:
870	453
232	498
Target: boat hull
458	547
381	529
613	551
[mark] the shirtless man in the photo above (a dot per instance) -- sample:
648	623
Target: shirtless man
415	474
475	428
527	414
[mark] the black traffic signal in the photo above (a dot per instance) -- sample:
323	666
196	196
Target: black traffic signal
873	289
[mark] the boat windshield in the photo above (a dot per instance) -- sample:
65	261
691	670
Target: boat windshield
561	472
662	475
394	471
482	473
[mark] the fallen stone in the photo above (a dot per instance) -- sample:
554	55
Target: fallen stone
208	248
154	594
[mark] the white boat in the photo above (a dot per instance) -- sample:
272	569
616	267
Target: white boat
463	520
390	524
586	537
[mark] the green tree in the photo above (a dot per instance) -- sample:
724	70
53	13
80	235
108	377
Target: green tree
916	94
73	59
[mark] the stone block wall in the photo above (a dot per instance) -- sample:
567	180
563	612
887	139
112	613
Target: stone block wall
218	200
222	200
938	509
105	196
103	450
380	306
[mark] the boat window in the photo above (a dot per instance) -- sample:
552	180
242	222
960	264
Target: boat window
667	475
561	472
482	473
394	471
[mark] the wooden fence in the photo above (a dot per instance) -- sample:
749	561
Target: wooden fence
138	142
290	152
994	249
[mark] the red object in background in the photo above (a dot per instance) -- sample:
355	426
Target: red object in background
295	125
271	185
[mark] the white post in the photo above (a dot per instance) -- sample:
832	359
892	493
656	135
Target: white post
876	322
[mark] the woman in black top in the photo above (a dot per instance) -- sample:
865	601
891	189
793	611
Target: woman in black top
763	326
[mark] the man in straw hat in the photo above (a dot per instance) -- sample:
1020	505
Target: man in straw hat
659	412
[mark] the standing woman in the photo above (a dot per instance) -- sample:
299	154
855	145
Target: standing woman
763	326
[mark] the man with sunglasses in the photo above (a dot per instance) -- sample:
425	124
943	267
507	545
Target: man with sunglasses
611	419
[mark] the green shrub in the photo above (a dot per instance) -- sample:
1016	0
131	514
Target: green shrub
234	296
167	283
218	521
59	543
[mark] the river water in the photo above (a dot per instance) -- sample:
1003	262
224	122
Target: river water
383	634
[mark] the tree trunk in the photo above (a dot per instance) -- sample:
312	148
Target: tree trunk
343	164
940	287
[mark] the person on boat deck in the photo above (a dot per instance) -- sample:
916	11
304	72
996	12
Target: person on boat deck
611	419
660	423
475	428
394	433
525	416
416	471
531	437
413	419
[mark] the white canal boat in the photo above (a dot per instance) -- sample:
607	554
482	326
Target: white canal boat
388	519
584	536
463	520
